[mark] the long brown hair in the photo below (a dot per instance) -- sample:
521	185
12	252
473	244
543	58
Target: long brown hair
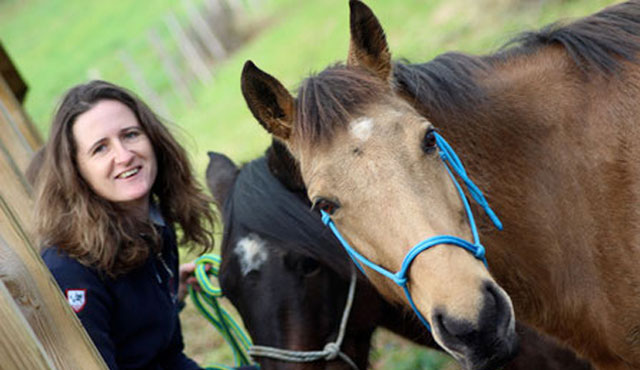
95	231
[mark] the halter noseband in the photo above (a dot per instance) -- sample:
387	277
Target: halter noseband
331	350
452	162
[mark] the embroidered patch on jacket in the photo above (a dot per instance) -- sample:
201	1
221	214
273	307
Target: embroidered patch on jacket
77	299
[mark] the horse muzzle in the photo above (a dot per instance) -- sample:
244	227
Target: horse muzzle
486	344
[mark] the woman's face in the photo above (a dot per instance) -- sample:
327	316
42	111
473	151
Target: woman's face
114	154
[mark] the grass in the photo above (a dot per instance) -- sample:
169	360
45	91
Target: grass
58	43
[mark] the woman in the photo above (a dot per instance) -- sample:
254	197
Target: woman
113	184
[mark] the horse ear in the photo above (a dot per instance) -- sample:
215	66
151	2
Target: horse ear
221	175
368	47
269	101
284	167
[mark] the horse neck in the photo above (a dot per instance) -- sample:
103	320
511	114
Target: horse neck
502	140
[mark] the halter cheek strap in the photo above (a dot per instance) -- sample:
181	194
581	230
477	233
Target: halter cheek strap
452	164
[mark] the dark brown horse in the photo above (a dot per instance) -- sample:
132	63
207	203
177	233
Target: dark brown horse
547	128
292	288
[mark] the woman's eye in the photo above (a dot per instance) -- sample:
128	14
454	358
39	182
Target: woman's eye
429	141
131	134
99	149
326	205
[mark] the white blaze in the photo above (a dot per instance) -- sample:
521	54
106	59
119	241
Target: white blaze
361	128
252	253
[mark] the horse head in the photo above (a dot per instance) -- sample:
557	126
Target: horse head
373	164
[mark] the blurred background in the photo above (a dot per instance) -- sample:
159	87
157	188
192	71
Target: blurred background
184	58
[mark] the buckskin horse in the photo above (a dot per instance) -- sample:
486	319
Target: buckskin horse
547	129
289	278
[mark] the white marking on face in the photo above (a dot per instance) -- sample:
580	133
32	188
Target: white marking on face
252	253
361	128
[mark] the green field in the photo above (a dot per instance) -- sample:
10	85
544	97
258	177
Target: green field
58	43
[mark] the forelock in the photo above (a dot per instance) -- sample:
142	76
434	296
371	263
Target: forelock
331	99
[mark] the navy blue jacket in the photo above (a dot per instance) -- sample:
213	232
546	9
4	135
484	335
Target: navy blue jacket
132	319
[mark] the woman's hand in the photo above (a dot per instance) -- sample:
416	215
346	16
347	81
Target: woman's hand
186	277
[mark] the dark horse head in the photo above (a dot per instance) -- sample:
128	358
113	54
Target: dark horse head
288	277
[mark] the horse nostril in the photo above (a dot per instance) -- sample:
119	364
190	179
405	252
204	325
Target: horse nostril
496	310
454	327
494	318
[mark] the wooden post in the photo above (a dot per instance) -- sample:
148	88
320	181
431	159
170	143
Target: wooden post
12	108
170	68
235	5
208	37
189	51
147	91
19	346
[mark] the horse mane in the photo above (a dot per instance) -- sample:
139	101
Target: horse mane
596	44
262	204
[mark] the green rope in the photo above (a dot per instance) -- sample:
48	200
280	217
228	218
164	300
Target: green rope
207	304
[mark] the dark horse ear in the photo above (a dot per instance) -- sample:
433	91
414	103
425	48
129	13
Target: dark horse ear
221	175
285	168
268	100
368	47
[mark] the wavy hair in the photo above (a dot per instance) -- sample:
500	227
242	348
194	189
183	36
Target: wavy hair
95	231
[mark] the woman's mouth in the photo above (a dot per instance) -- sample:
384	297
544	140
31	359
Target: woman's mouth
129	173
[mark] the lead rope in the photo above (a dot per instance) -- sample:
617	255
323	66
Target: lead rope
331	350
224	323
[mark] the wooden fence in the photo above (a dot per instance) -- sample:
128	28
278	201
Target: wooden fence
39	330
182	50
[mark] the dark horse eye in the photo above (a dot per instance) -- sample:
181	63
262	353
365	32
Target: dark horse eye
325	205
309	266
429	141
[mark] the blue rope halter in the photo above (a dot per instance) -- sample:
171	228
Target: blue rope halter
452	162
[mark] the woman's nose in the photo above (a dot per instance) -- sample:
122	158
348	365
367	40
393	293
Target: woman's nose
122	153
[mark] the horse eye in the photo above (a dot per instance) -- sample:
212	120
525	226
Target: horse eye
429	141
309	266
325	205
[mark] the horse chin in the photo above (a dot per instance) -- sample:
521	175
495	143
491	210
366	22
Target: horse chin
487	344
501	354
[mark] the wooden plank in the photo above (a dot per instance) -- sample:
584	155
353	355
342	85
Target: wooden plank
19	346
31	285
11	75
14	186
12	141
17	117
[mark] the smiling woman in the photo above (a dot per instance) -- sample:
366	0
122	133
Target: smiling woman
106	214
115	155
